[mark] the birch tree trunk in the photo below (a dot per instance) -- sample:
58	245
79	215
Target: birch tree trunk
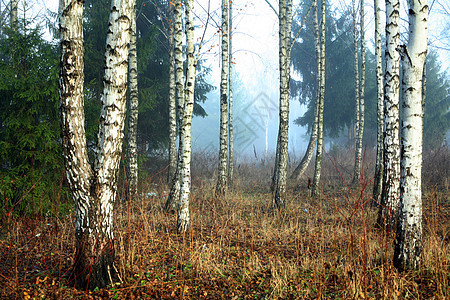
183	217
391	152
377	184
13	15
313	138
360	132
357	91
174	194
134	113
285	28
94	190
230	96
408	243
172	105
318	165
223	159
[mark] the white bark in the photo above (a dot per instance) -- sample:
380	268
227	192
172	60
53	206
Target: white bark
408	244
318	164
360	102
172	105
134	113
223	142
13	14
183	220
94	191
391	165
174	194
377	185
230	96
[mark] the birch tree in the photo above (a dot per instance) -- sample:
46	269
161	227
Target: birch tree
280	170
94	189
408	243
230	96
13	15
391	151
360	100
377	183
319	150
180	190
174	193
134	113
223	141
172	102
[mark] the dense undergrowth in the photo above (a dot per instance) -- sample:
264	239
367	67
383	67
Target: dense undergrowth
238	246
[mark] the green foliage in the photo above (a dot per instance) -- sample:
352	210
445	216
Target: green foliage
31	165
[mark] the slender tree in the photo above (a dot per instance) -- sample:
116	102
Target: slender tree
360	90
93	189
183	216
391	151
133	108
174	193
13	15
280	171
230	96
377	184
172	101
318	163
223	142
409	243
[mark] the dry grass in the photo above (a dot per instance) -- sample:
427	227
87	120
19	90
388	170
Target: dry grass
238	247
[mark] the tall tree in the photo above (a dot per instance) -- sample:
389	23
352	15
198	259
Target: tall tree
13	15
223	141
318	163
391	151
133	108
230	96
356	71
360	103
409	243
172	101
93	189
174	194
280	170
183	216
377	184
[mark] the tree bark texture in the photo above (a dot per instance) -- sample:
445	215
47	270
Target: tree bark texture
377	182
183	216
362	84
134	113
230	97
223	142
408	243
391	151
285	28
174	194
318	164
357	90
93	190
172	105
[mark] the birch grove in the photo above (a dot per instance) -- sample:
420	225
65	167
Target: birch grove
94	190
409	239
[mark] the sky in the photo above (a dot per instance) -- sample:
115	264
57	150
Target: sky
255	52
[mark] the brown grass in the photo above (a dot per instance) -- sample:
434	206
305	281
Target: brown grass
238	247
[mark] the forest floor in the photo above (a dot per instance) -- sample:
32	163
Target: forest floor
238	247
